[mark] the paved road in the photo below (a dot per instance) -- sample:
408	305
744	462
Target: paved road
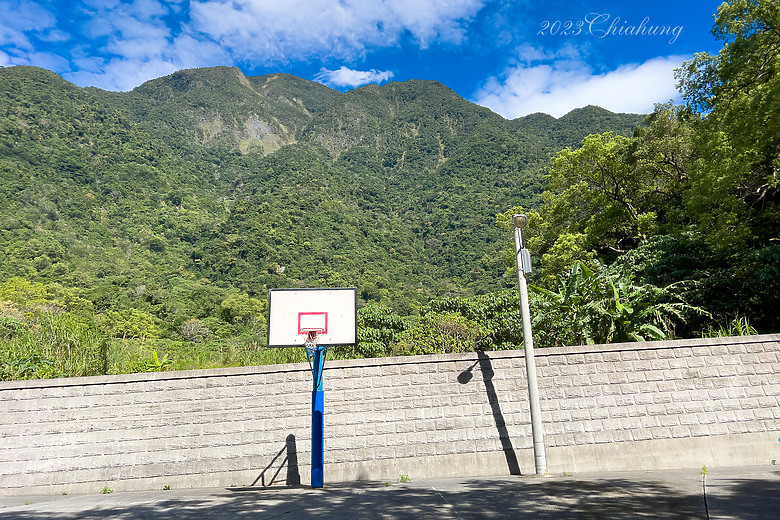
750	493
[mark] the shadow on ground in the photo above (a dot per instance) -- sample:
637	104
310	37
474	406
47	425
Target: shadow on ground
496	498
664	495
745	499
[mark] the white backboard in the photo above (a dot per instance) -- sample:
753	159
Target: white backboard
293	312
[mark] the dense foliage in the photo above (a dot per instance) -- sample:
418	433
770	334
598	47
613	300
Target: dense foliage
167	212
142	230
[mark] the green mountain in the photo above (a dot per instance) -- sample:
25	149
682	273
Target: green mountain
220	107
206	183
570	129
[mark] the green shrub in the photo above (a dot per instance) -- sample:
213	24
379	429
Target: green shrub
33	366
53	345
437	333
78	345
11	327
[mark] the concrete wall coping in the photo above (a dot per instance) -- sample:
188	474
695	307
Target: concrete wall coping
373	362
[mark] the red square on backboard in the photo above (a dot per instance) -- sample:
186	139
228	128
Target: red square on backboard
312	320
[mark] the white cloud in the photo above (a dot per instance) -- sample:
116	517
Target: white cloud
345	77
20	24
147	8
275	31
126	27
121	74
20	18
135	45
558	83
145	63
46	60
125	42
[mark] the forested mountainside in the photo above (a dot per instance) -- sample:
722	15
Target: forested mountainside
165	214
210	177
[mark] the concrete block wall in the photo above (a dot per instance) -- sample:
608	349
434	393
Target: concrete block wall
662	405
604	407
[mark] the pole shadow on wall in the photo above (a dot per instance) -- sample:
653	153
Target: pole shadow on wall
270	474
486	367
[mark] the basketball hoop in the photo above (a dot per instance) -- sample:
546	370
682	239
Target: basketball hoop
312	351
311	337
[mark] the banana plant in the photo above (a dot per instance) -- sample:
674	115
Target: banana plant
597	305
563	316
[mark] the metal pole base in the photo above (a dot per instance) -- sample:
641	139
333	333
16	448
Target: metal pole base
317	439
317	359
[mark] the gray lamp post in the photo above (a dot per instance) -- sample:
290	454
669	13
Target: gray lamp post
523	258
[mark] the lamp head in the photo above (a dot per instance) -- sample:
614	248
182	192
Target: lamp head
520	221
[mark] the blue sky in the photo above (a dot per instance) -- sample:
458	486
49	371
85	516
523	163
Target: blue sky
513	57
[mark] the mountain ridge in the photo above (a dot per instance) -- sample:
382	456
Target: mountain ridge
253	182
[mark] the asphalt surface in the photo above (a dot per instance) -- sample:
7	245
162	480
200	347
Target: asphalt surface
747	493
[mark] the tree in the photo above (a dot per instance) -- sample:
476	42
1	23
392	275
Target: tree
130	323
604	198
497	313
239	308
24	292
663	154
734	195
441	333
593	190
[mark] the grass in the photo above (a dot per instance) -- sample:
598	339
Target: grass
133	355
739	326
49	345
65	354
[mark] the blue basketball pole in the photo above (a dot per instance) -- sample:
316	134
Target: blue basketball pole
318	419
